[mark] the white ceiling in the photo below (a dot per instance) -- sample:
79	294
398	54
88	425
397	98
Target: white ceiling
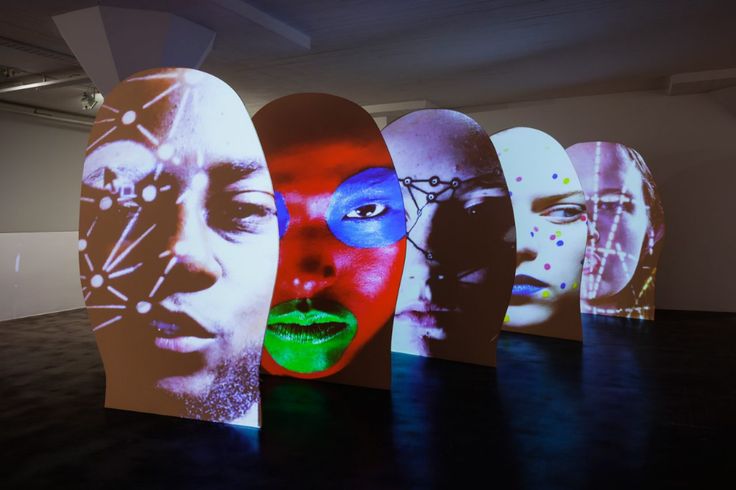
456	54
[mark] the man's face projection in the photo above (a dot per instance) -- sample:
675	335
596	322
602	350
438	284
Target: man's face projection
341	221
614	189
549	207
460	231
178	243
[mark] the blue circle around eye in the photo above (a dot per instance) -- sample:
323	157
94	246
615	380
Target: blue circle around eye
282	213
367	210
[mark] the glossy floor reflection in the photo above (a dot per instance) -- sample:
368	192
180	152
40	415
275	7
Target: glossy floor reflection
640	405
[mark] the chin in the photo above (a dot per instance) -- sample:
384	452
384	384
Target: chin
196	384
410	339
526	316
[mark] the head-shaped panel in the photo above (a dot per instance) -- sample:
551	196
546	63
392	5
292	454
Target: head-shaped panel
178	246
341	220
551	231
627	220
460	228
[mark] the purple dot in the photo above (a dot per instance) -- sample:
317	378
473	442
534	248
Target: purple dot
554	176
518	179
547	267
552	237
560	243
563	285
536	229
511	193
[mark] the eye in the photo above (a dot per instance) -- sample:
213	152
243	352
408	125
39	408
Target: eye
564	213
242	212
611	203
367	211
477	208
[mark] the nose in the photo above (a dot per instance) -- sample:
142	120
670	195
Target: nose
193	265
526	247
419	232
593	234
308	262
417	275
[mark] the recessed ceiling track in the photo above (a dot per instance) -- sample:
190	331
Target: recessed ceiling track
49	114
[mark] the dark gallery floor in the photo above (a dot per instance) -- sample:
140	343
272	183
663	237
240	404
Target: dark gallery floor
641	404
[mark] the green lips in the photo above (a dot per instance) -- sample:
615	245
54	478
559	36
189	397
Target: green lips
308	337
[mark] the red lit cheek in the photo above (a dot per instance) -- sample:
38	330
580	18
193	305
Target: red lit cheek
367	284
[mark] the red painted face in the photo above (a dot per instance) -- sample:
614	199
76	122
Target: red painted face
317	267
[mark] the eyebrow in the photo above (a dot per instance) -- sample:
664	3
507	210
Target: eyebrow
229	172
613	190
541	203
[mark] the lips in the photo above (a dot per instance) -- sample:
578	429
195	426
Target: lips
307	336
527	285
179	332
426	315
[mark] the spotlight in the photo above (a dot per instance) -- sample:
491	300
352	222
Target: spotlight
90	99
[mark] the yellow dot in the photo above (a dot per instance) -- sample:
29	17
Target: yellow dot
558	233
574	285
566	180
545	294
506	319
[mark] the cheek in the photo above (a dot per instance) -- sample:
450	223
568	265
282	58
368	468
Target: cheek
632	233
368	282
564	254
248	271
603	223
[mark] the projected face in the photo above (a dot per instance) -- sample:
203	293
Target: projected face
178	246
342	224
549	207
617	185
459	265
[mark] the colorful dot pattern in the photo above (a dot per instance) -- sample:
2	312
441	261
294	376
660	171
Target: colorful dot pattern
547	242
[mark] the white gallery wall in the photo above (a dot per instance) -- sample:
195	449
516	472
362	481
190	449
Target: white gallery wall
39	273
41	166
688	141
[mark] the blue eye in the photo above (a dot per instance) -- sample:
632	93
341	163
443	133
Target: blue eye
282	213
367	210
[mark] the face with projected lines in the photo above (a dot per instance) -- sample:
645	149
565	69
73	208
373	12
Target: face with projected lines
178	244
460	229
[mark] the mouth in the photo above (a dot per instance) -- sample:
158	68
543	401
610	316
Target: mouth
527	285
179	332
426	316
307	336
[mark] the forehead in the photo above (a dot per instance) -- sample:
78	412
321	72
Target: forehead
535	164
612	163
328	162
441	143
186	119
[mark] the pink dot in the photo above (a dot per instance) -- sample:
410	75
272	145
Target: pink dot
583	218
552	237
547	267
518	179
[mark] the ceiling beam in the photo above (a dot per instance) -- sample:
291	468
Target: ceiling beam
403	107
41	81
701	81
265	20
43	113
